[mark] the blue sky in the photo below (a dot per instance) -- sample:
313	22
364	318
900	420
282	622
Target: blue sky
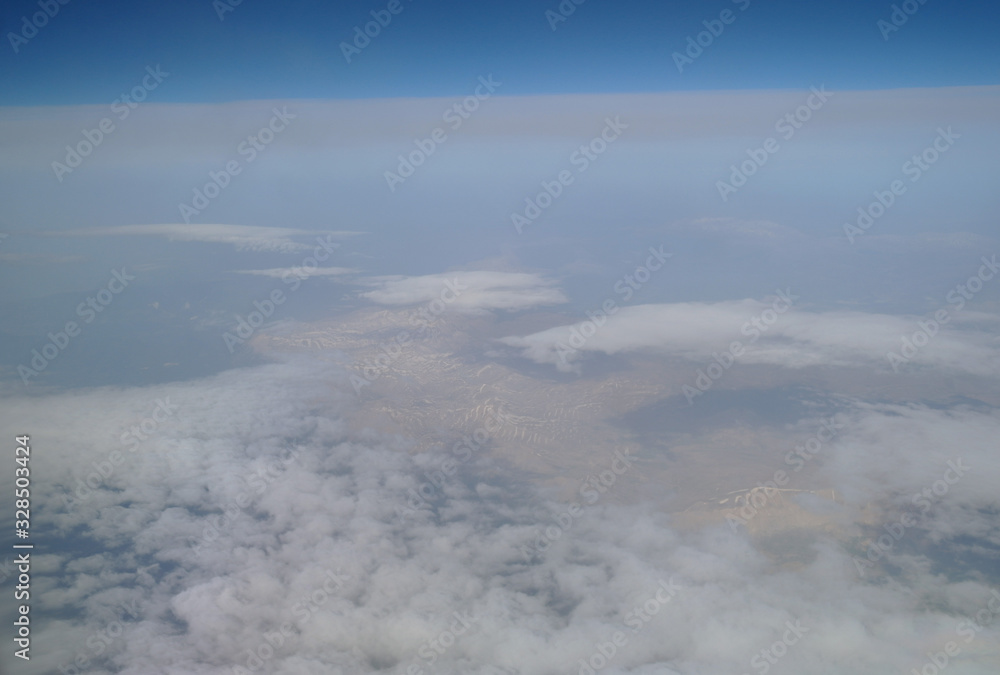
687	129
92	52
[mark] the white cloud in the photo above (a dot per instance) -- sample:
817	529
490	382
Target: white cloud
302	272
792	339
468	290
243	237
889	453
333	507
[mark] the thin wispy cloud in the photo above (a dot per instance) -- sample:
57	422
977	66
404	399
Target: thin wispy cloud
467	290
282	272
243	237
793	339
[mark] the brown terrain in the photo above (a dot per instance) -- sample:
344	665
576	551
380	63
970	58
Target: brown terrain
560	429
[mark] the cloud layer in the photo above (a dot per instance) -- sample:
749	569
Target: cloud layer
302	272
469	290
243	237
774	333
246	523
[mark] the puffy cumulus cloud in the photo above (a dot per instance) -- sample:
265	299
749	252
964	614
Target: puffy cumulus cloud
938	466
472	290
773	333
243	237
246	528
